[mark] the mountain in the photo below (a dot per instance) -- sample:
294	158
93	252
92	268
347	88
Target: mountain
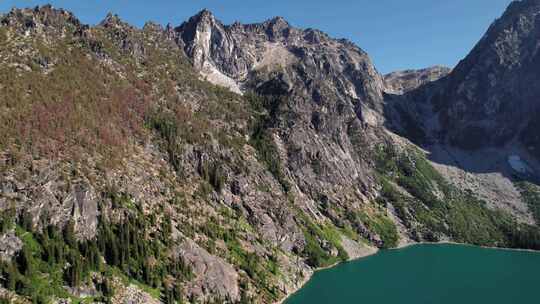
479	123
320	92
225	163
490	97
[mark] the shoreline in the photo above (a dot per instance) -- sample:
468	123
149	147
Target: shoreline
401	246
462	244
307	278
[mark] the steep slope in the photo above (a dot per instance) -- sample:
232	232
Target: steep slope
107	127
491	97
107	132
478	123
128	176
412	193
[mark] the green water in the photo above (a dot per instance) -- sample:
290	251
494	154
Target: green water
429	274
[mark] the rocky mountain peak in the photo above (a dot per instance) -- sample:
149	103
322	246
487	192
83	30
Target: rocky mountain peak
197	35
203	19
278	20
495	86
153	26
113	21
40	18
233	55
205	14
277	27
521	5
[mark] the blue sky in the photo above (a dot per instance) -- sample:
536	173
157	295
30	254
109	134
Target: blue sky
398	34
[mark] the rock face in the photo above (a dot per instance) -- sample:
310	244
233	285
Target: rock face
10	244
48	198
211	273
207	50
334	94
491	96
133	295
401	82
247	53
483	112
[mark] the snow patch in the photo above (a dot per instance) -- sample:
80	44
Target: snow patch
215	76
518	165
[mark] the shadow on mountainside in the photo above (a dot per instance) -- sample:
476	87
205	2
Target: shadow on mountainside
409	117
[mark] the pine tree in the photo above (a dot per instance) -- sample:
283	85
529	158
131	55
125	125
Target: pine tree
177	293
69	234
24	261
26	221
74	273
168	296
9	272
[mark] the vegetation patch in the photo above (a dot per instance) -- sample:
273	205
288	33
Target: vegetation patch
320	242
264	109
53	258
438	209
382	226
531	195
260	271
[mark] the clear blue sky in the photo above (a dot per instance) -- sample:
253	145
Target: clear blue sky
398	34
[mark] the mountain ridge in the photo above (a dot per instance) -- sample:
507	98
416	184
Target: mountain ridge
114	131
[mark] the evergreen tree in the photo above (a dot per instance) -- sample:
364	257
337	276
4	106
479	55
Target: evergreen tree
24	261
9	273
74	273
69	234
26	221
6	221
177	293
168	296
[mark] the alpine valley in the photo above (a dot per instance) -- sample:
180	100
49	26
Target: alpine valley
212	163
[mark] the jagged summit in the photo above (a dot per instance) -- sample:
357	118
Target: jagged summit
46	16
110	17
278	21
229	55
205	16
490	95
44	10
113	20
520	5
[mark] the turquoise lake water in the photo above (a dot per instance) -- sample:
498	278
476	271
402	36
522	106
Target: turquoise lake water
429	274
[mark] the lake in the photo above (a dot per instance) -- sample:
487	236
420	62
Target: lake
429	274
